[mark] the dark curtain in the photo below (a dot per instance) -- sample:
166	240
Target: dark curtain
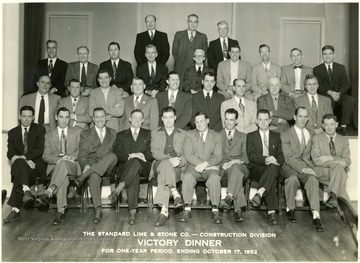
34	22
354	57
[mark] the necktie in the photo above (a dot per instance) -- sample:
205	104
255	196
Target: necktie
101	136
330	75
225	49
301	66
314	111
50	68
275	103
136	105
151	35
83	75
230	138
135	135
62	143
207	96
41	111
191	36
242	108
114	70
266	70
266	145
25	141
332	146
172	99
74	105
303	143
152	75
199	70
202	138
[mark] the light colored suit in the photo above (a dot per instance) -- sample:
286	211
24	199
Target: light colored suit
81	110
288	78
245	124
260	78
73	72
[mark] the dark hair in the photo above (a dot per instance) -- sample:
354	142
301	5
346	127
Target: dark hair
232	111
263	45
137	110
295	48
235	46
62	109
199	113
99	109
168	109
310	77
172	73
73	80
234	82
193	15
300	108
329	116
150	46
150	15
211	74
137	78
77	50
51	41
114	43
263	111
328	47
102	70
27	107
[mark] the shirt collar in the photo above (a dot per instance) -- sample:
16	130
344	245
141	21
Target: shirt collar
53	60
39	95
60	130
133	130
266	65
331	136
116	61
98	130
205	93
310	96
23	128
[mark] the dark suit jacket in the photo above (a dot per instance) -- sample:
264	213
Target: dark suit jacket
81	110
212	110
254	148
36	139
161	42
237	149
73	72
159	82
340	79
57	75
124	74
215	52
183	107
193	80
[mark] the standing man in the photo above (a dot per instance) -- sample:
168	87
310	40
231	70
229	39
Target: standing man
296	146
25	148
120	71
61	154
54	68
153	37
245	122
293	76
334	83
185	43
43	102
96	157
234	161
167	149
263	149
132	148
83	70
218	48
202	149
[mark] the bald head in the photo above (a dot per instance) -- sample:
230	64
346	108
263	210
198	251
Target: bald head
274	86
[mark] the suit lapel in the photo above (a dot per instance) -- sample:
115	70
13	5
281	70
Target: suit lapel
269	102
294	135
55	137
94	138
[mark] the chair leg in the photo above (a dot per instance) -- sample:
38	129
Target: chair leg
247	194
280	189
149	195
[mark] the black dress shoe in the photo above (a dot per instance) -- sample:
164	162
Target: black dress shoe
186	215
272	219
28	198
317	225
343	131
98	215
256	199
132	217
226	203
44	199
215	216
238	216
161	220
59	218
12	217
291	216
332	201
178	202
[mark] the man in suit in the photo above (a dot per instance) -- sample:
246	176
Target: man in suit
194	75
147	105
296	146
264	151
132	148
330	154
108	98
83	70
53	67
61	154
177	99
245	122
262	72
231	69
167	149
334	83
120	70
218	48
234	161
152	72
96	157
151	36
317	105
293	76
43	102
202	150
209	102
25	148
280	106
185	43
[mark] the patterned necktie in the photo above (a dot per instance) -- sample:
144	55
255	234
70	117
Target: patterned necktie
275	103
50	68
172	99
101	136
330	75
332	146
314	110
199	70
303	143
135	135
202	138
242	108
114	70
229	138
137	102
25	141
83	75
62	143
41	111
74	105
151	35
266	70
191	36
266	145
152	75
225	49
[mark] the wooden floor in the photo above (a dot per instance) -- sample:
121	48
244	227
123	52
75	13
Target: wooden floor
33	238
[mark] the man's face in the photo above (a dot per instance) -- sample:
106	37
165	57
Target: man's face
173	82
137	87
99	119
151	54
296	57
312	86
223	30
208	82
301	118
114	52
51	49
201	123
264	54
192	23
199	57
274	86
263	121
63	119
150	23
168	119
230	121
239	88
136	120
330	126
328	56
44	85
104	80
75	89
26	117
83	55
234	54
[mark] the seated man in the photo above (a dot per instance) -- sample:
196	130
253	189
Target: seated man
202	149
61	154
25	148
296	146
166	148
263	149
234	160
96	157
331	156
132	148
